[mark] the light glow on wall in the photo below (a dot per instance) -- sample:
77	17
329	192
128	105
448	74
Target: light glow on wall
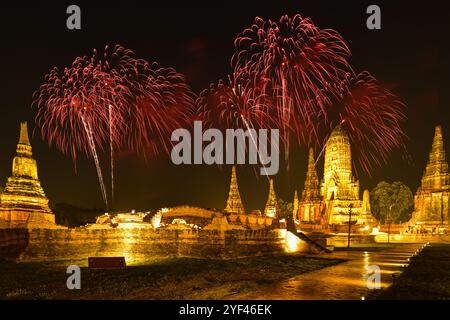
292	242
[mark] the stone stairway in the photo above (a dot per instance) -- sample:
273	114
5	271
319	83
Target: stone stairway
290	226
310	241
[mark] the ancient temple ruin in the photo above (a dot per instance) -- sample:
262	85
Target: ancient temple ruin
234	202
311	205
271	208
23	202
431	201
336	199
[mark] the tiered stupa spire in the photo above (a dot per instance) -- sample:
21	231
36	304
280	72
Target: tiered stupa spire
366	216
23	201
310	205
431	201
295	205
311	190
234	202
436	175
271	208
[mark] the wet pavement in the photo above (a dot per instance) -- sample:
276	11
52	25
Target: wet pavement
345	281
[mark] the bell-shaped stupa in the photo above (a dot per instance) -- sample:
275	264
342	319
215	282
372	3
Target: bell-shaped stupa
23	202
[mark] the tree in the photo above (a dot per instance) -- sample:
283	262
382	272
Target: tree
285	209
391	203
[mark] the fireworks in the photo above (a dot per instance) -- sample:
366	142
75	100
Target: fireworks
295	63
372	117
286	74
234	104
168	104
111	99
305	74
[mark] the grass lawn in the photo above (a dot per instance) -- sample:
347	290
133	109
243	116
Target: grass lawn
427	277
182	278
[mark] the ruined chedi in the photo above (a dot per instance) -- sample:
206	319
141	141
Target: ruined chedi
23	202
366	211
310	207
431	201
271	208
234	202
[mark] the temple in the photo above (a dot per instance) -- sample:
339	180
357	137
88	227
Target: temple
339	189
311	206
234	202
271	209
23	202
366	212
431	201
336	199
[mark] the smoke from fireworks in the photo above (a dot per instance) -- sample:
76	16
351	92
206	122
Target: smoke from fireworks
109	100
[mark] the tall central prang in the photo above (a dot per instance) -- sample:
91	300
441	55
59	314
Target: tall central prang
339	189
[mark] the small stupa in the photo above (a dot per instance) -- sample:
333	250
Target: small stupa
234	202
271	208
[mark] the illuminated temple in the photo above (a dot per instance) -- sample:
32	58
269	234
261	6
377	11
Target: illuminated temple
23	202
271	208
310	207
329	202
234	202
431	201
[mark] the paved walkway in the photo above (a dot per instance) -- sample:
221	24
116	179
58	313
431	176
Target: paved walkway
346	281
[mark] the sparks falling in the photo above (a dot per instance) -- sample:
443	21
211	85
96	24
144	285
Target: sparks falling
293	61
110	99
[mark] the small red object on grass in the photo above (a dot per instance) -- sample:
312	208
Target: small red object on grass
106	263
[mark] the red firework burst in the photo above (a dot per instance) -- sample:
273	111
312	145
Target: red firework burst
372	116
170	106
111	99
233	105
236	104
294	62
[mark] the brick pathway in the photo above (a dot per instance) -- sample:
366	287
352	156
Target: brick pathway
345	281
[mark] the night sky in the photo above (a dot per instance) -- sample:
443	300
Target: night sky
410	54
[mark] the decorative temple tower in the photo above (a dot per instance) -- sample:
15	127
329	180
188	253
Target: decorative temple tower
366	216
310	205
295	207
271	209
23	202
339	189
234	202
431	201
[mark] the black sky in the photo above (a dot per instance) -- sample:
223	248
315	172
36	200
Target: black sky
410	54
